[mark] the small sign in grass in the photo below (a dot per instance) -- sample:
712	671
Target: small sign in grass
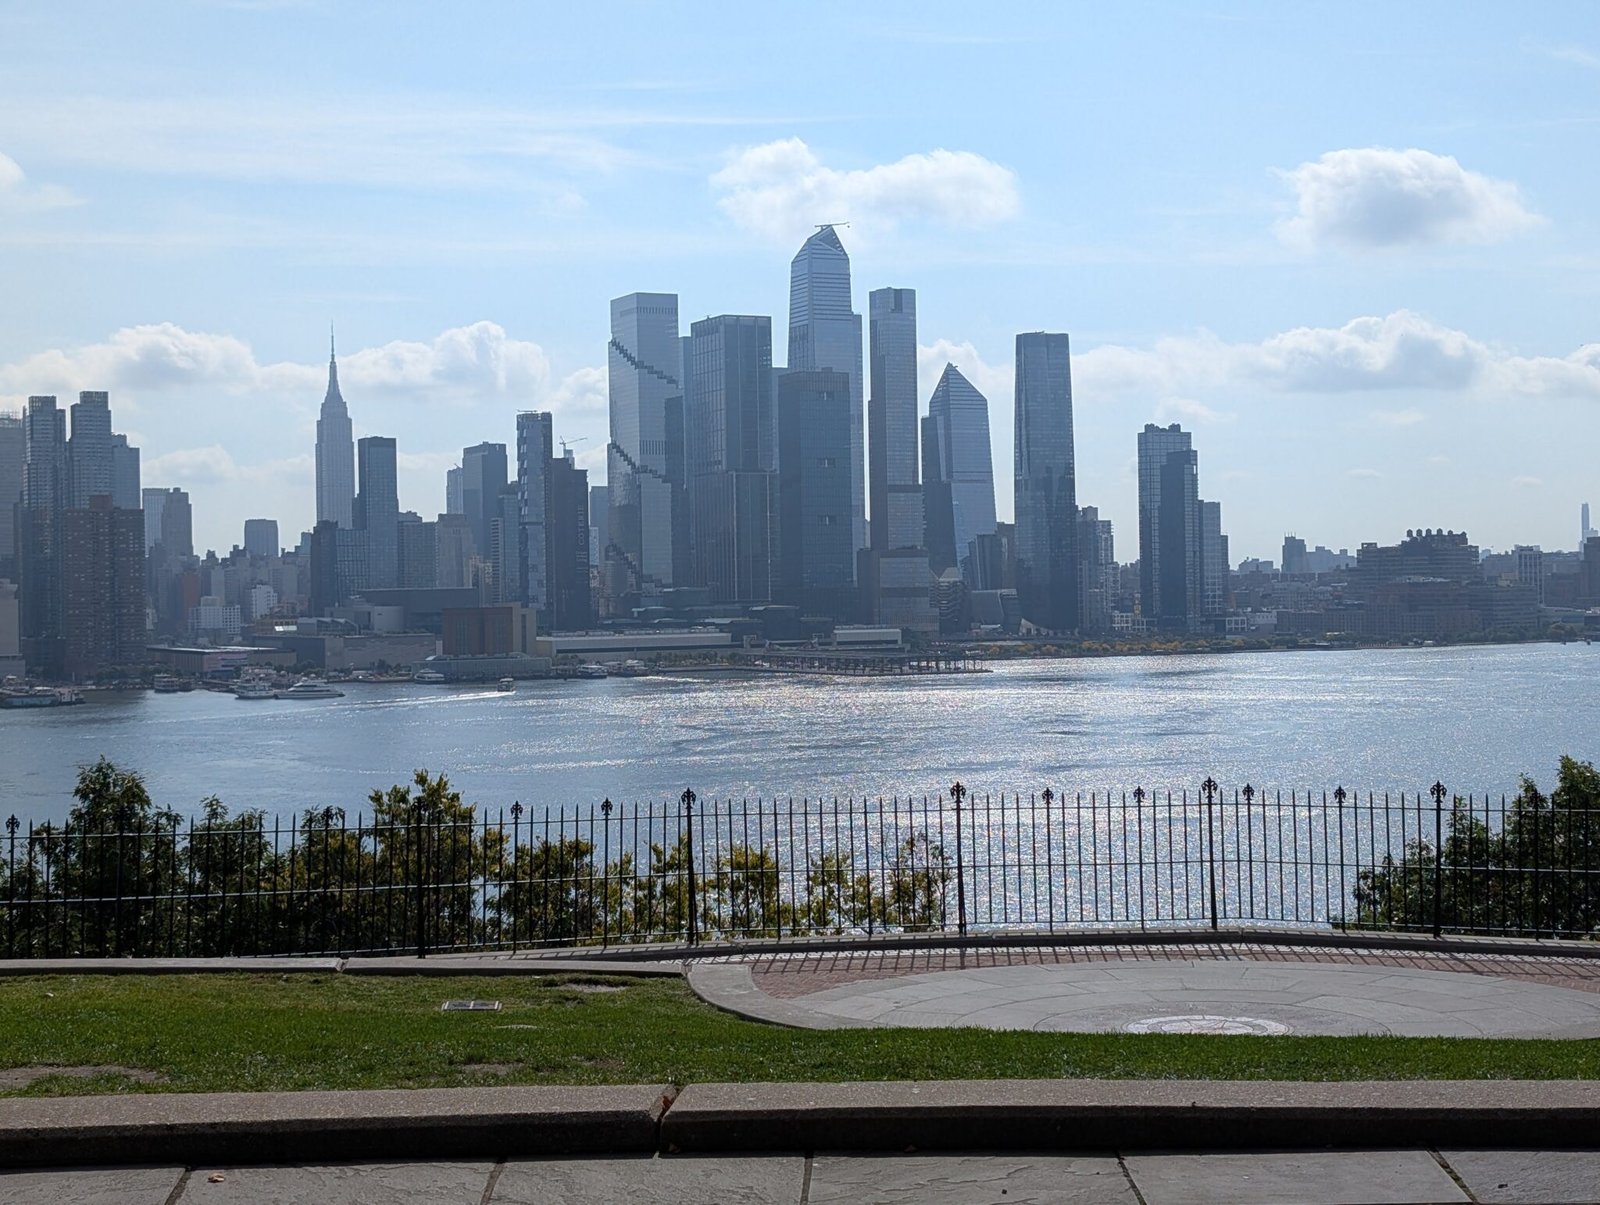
470	1006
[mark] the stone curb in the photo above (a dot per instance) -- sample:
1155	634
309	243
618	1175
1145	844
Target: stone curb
299	1127
1086	1115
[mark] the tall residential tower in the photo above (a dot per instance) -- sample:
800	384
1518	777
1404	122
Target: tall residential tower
1048	585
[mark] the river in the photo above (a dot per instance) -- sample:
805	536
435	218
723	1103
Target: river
1374	719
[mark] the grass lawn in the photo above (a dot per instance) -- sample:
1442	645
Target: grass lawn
208	1033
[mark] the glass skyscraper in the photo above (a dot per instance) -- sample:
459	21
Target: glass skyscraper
824	332
1048	586
377	510
336	475
730	443
959	460
645	455
1169	527
814	551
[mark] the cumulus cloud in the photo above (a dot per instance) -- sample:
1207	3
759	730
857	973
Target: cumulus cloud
1187	410
781	189
1402	350
1525	482
1363	474
214	465
1373	197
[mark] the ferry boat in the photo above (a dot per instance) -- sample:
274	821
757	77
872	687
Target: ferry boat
310	688
428	677
508	684
630	669
254	690
39	696
169	684
591	670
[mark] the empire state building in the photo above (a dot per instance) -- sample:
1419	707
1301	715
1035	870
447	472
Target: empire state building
336	459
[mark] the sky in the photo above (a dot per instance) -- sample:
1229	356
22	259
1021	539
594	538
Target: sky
1353	247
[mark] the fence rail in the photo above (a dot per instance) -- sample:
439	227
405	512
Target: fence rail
702	871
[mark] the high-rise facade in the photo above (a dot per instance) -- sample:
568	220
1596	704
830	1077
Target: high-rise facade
814	548
124	474
824	333
419	555
40	535
730	443
89	456
336	474
455	491
897	582
1585	531
1213	561
1097	560
377	510
567	545
483	476
958	466
1169	526
535	448
1048	585
506	552
648	536
1294	557
261	538
1171	570
13	454
103	587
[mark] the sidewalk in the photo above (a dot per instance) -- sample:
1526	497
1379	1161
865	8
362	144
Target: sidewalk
1317	1178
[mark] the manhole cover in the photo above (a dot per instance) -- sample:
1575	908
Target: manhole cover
1205	1023
470	1006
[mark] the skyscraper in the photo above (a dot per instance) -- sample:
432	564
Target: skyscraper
506	552
40	522
103	586
730	442
535	447
813	543
898	581
645	454
1213	561
958	464
124	474
261	538
567	545
13	454
90	467
1048	586
336	475
1170	567
825	332
1583	523
455	489
377	510
483	476
1156	444
1097	560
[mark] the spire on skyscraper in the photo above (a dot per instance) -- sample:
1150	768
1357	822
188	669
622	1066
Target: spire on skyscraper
333	394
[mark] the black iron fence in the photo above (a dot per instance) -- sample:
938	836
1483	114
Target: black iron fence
704	871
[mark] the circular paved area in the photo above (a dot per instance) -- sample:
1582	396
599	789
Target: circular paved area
1140	994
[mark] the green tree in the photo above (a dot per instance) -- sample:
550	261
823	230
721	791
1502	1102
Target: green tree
549	892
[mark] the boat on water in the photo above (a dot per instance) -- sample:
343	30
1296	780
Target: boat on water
170	684
507	684
591	670
39	696
310	688
428	677
254	690
630	669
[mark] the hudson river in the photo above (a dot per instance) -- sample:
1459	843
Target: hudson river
1381	719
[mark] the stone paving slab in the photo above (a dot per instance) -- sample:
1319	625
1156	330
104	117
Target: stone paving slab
965	1179
335	1126
91	1186
687	1180
1098	997
340	1184
1096	1115
1505	1177
1304	1178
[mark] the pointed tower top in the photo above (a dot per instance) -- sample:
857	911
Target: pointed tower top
333	396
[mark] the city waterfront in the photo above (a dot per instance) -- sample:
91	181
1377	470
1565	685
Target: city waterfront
1380	719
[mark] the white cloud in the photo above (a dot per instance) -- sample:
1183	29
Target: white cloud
781	189
1402	350
1183	409
17	193
1372	197
994	381
1525	482
1363	474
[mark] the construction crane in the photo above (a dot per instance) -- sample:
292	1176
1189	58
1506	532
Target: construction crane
568	444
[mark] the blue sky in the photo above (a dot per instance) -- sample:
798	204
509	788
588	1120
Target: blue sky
1354	247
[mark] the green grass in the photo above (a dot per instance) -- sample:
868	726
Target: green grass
208	1033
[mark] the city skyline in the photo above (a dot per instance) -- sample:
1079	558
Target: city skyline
1375	306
